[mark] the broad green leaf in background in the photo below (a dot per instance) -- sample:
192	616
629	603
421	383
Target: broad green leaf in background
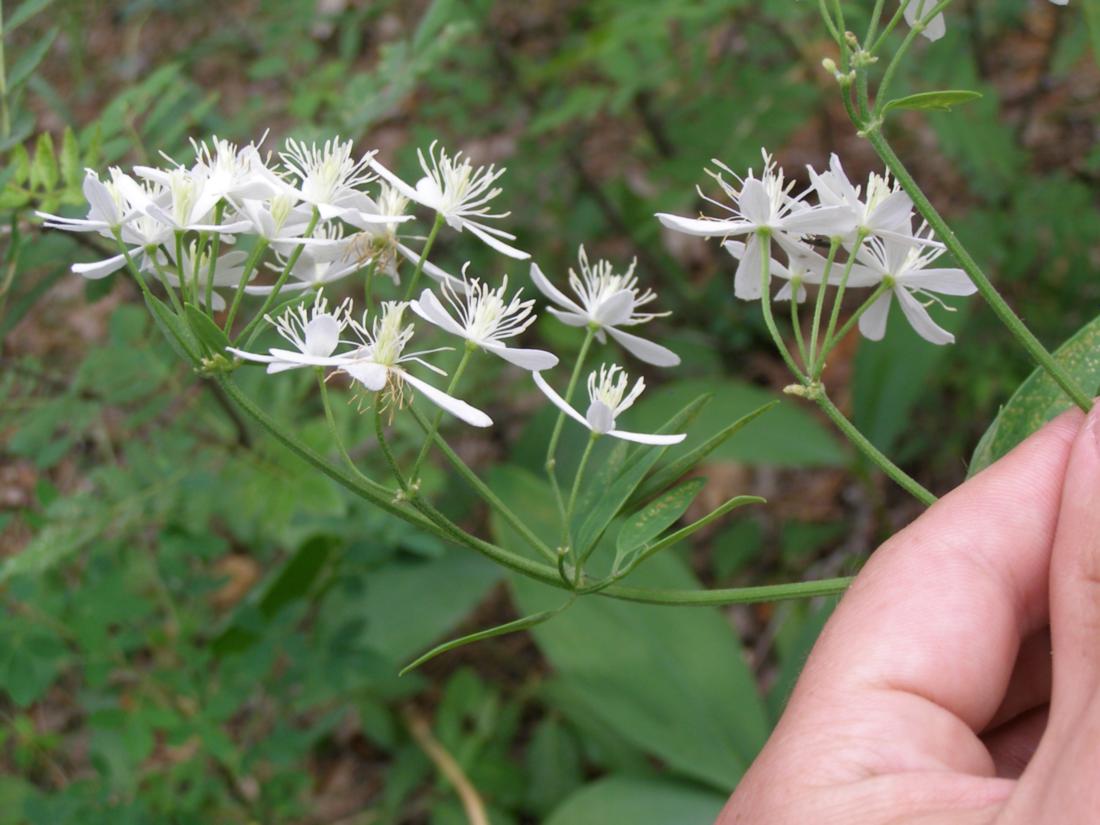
787	436
619	800
941	101
1092	18
673	681
892	374
1039	399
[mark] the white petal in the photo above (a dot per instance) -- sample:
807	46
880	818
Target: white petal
644	350
370	375
570	318
497	244
895	212
395	181
431	270
534	360
945	281
322	334
600	417
99	197
873	322
557	400
431	310
542	283
755	203
831	221
459	409
100	269
704	227
645	438
922	322
616	309
747	280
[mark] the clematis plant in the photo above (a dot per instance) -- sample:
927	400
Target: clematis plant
249	257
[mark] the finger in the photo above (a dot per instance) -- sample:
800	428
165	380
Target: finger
1075	580
1029	685
927	637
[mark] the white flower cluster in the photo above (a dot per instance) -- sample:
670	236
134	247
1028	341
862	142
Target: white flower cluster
873	226
326	215
917	10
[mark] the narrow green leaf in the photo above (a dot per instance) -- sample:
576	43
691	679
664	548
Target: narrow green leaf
1040	399
941	101
24	13
1092	19
656	517
45	163
30	58
20	162
70	160
209	334
174	329
675	538
668	473
516	626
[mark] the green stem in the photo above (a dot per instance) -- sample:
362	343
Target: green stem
291	261
734	595
181	274
872	452
410	292
818	365
451	388
566	525
249	265
336	432
998	304
819	306
215	248
552	447
834	339
876	16
899	13
486	492
167	283
796	323
763	238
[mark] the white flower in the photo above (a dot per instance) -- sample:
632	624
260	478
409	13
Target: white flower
607	393
762	205
883	209
189	202
233	172
331	259
383	241
484	319
806	267
906	269
314	333
228	270
606	301
278	219
108	205
377	362
460	193
935	28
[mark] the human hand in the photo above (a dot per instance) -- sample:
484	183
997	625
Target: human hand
958	682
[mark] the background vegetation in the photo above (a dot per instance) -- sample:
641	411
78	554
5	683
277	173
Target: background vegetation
198	628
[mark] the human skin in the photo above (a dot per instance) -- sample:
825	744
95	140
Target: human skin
958	681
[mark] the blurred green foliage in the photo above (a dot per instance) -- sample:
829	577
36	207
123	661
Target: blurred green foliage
198	628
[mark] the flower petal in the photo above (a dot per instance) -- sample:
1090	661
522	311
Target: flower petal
644	350
369	374
459	409
944	281
431	310
431	270
704	227
497	244
542	283
600	417
616	309
570	318
873	322
394	181
322	334
746	281
755	203
100	269
646	438
831	221
534	360
557	400
921	321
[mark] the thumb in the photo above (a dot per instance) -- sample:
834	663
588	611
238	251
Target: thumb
1062	776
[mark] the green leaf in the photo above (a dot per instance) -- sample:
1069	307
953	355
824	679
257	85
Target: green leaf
209	334
29	59
31	656
670	472
24	13
1039	398
523	623
623	799
941	101
70	159
656	517
554	767
787	437
44	171
20	162
697	709
174	329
